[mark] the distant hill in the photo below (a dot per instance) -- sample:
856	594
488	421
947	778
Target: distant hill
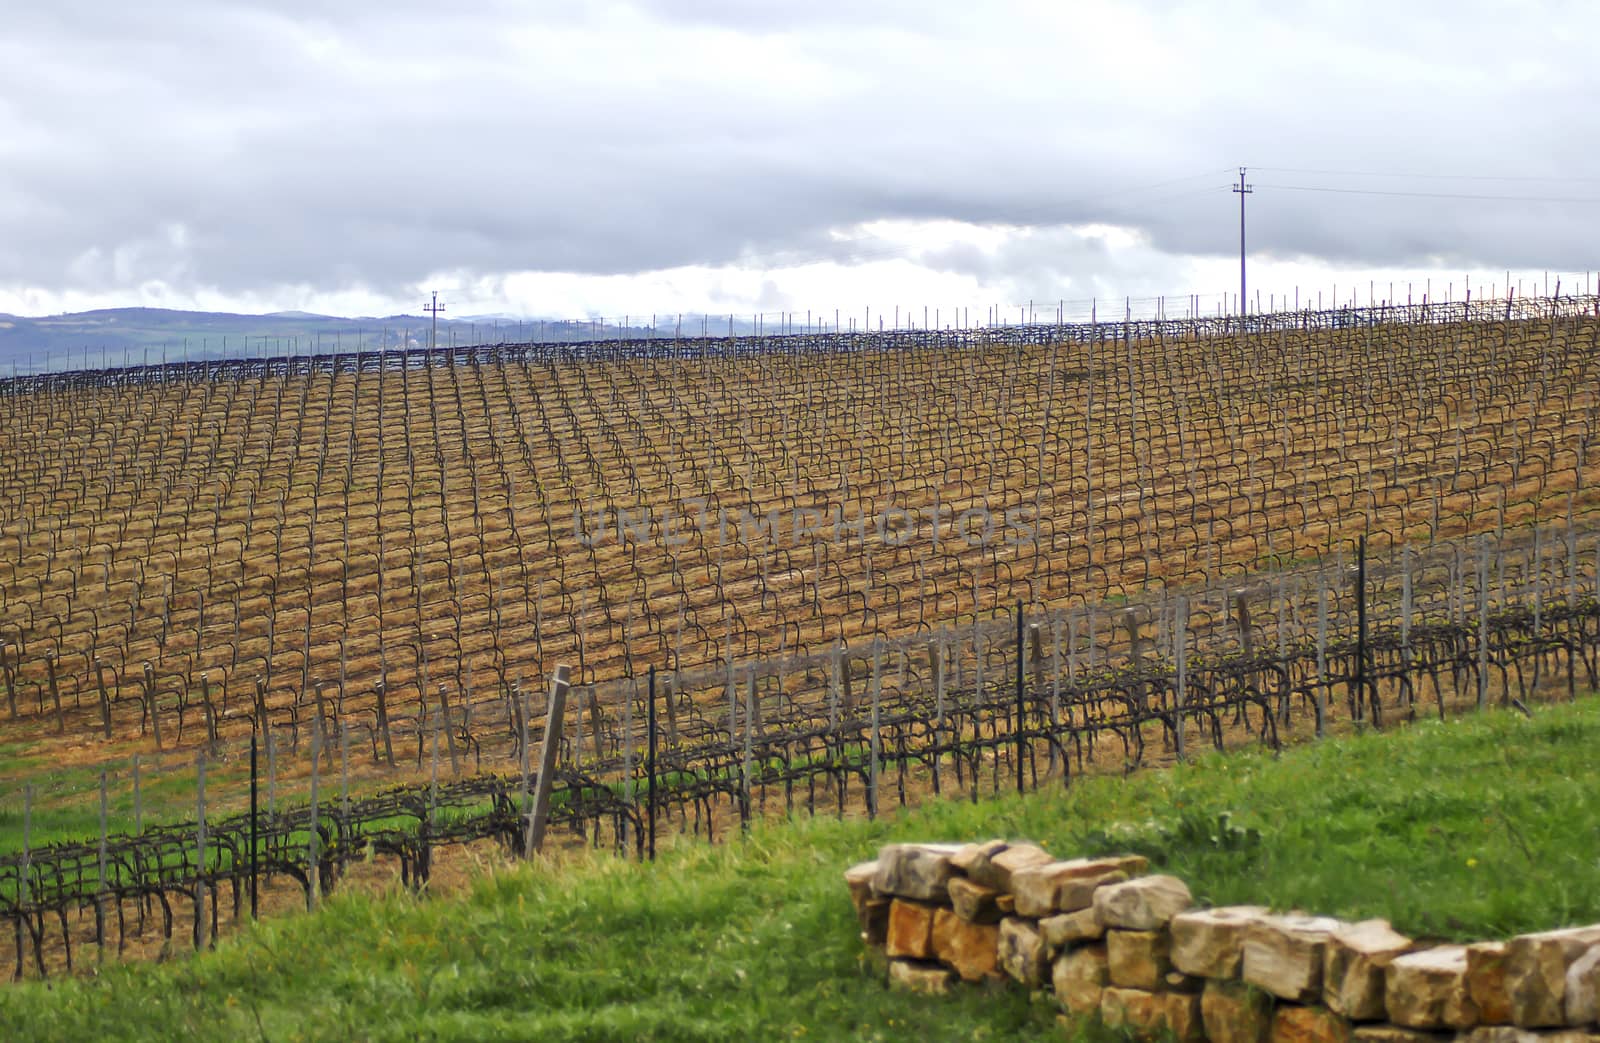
132	336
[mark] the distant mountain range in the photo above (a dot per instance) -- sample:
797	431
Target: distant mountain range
134	336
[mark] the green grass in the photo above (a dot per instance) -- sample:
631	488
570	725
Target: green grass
1464	830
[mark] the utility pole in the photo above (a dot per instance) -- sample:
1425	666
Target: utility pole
436	307
1243	190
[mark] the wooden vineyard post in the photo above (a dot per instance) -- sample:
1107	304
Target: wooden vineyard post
744	764
211	718
381	690
200	852
150	702
255	815
55	692
876	748
834	685
1405	623
1180	653
313	852
105	697
1483	622
1055	690
23	895
1321	701
138	802
650	766
11	681
1021	736
449	733
551	744
272	777
100	882
344	777
524	809
1370	699
672	709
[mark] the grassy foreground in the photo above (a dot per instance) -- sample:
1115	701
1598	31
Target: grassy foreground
1469	829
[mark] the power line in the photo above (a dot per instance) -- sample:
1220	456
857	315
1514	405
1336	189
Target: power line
1434	195
1427	177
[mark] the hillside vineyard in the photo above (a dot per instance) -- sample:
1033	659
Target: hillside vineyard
445	525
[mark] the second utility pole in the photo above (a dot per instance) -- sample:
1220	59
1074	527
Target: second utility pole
436	308
1243	190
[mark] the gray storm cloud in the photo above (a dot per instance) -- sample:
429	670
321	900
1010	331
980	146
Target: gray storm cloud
247	146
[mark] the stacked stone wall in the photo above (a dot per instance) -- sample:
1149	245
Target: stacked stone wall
1109	938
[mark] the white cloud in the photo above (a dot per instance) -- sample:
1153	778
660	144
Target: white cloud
713	155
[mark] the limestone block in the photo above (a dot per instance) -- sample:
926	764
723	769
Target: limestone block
1396	1034
918	871
928	978
973	857
1153	1013
1066	929
1234	1012
1210	942
1022	951
1536	973
1486	982
1048	888
910	930
973	901
1283	954
972	949
1138	959
1583	988
1142	904
1353	968
1428	989
1292	1024
1080	975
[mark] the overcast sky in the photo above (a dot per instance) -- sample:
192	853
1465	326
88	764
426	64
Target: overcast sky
569	158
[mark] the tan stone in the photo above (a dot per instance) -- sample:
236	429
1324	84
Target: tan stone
1048	888
1210	942
1396	1034
1353	968
1153	1013
1006	864
1536	973
1006	903
1283	954
1513	1034
1291	1024
1077	893
911	976
918	871
858	878
973	856
1235	1013
1080	975
1142	904
910	930
1138	959
1022	951
972	949
1070	928
973	901
1428	989
1583	988
1486	982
